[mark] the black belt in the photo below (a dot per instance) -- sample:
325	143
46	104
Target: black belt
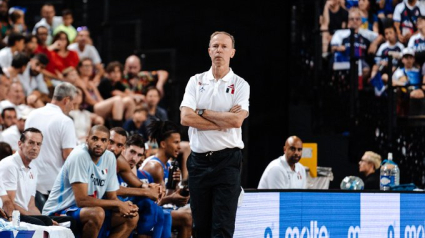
218	152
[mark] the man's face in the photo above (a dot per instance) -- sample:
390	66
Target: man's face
364	165
31	45
36	67
140	116
171	145
4	86
97	143
15	94
31	147
390	35
132	66
116	143
355	20
408	61
293	151
221	50
3	8
48	12
9	118
69	104
42	34
152	98
20	123
133	154
20	45
67	20
83	37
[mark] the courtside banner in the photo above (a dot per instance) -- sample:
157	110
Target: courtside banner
315	214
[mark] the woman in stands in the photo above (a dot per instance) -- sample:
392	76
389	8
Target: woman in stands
369	18
61	57
116	107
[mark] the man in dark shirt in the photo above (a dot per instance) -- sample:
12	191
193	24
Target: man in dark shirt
368	167
155	112
111	85
334	17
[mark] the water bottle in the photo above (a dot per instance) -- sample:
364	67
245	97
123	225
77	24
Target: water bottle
16	218
387	176
171	184
395	172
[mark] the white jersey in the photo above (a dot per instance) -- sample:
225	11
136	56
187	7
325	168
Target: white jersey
79	167
279	175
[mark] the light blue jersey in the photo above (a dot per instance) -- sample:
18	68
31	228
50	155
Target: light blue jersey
79	167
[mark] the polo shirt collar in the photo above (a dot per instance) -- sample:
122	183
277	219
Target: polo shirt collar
18	159
54	107
226	78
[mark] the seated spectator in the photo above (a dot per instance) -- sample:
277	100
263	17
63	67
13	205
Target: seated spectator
17	21
366	41
116	106
417	42
61	57
67	26
334	17
83	119
31	44
386	8
92	204
5	150
286	172
4	21
167	136
49	20
368	167
32	80
405	16
85	50
136	124
9	117
15	43
390	48
12	134
18	66
155	112
15	97
138	81
369	18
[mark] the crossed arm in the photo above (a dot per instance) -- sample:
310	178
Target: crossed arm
213	120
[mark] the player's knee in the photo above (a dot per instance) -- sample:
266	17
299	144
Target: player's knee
132	222
187	219
95	216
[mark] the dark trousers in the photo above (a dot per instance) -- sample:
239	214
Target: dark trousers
214	186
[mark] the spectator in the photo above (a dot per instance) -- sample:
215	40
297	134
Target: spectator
390	48
49	20
15	44
138	81
136	124
116	106
92	203
17	20
334	17
167	136
5	150
405	16
386	8
83	119
9	117
15	97
33	82
369	18
417	42
85	50
4	19
18	66
31	44
153	96
286	171
366	41
61	57
4	86
59	134
12	134
67	26
368	166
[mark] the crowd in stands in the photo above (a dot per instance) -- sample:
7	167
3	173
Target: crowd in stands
54	89
382	29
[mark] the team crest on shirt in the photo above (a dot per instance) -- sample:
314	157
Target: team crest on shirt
201	86
230	89
105	171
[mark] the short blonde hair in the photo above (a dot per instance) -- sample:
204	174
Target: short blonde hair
374	158
225	33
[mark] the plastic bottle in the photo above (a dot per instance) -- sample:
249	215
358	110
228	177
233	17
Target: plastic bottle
171	184
16	218
387	178
395	173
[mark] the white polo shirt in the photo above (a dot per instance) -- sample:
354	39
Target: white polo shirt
58	133
31	83
279	175
11	136
204	92
88	52
6	57
16	177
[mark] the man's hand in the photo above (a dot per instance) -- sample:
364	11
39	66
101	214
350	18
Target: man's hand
154	191
55	223
236	109
417	94
128	209
178	199
176	176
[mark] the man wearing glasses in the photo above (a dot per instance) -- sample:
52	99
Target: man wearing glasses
286	172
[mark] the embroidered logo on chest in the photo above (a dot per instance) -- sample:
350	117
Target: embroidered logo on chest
230	89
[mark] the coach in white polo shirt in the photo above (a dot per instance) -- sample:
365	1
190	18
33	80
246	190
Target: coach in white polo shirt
18	176
214	107
59	134
286	172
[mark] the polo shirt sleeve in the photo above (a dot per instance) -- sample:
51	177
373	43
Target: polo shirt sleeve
68	137
9	176
242	95
113	179
77	169
189	98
